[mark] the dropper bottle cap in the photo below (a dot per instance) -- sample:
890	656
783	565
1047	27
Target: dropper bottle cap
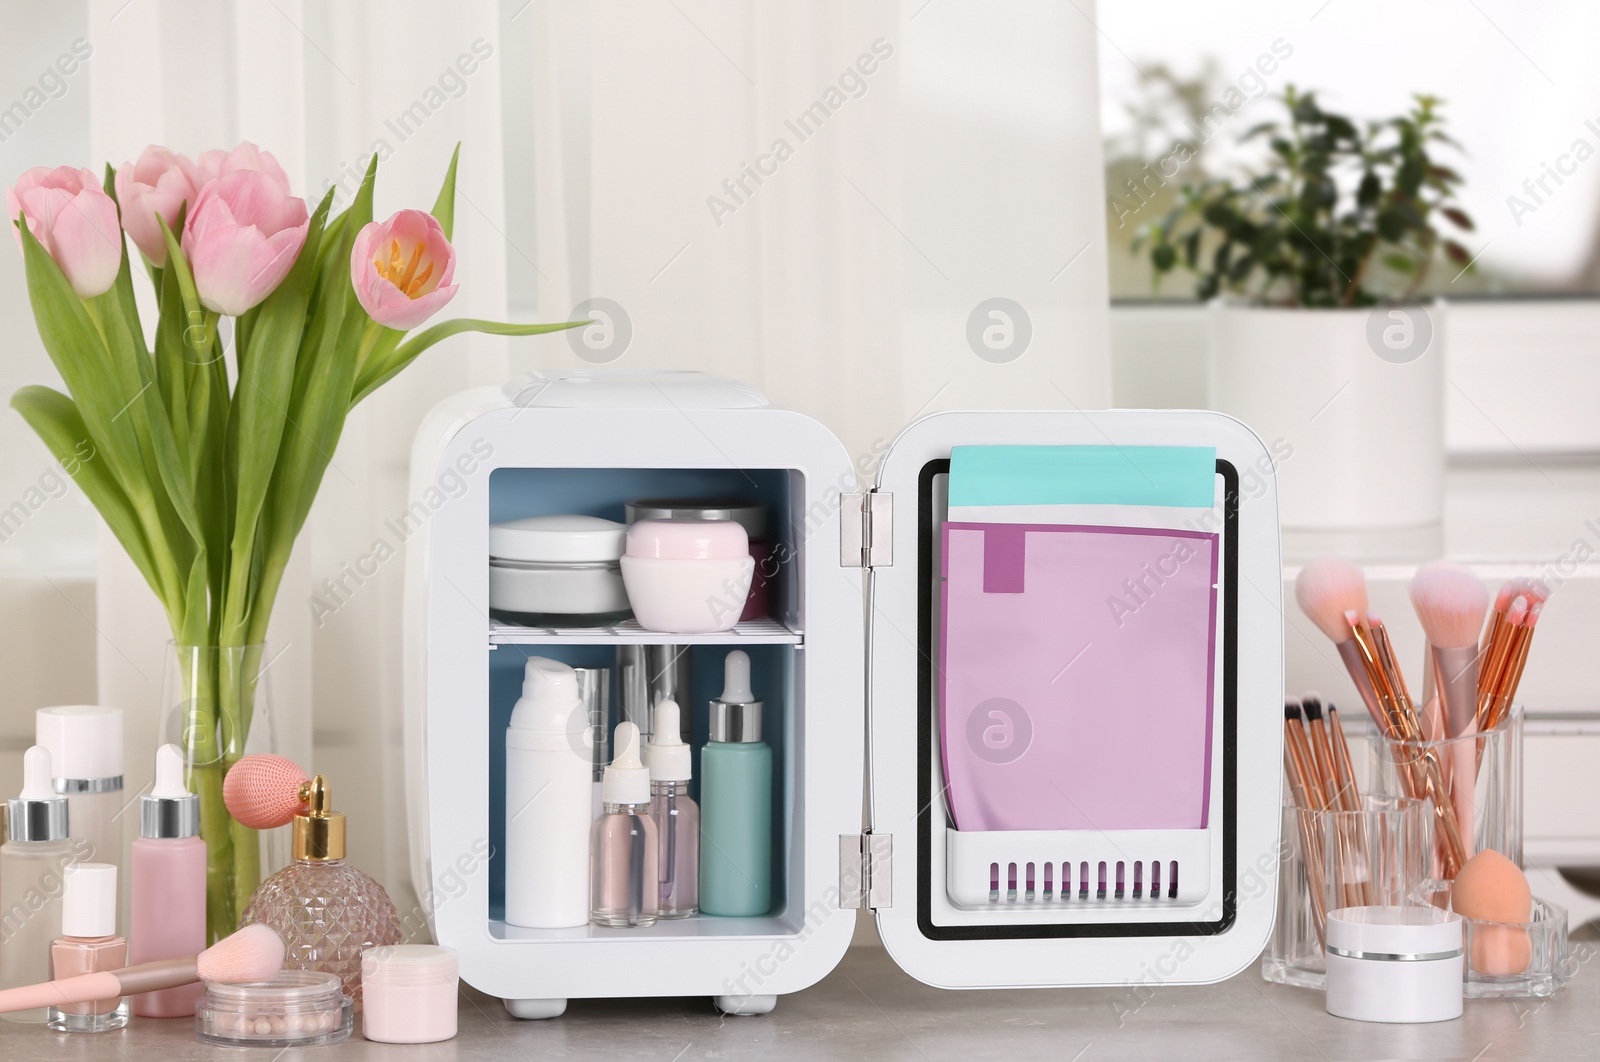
37	813
666	755
169	811
627	779
736	715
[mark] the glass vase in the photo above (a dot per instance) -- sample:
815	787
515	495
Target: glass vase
219	710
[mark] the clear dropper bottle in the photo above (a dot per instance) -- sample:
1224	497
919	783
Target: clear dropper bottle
625	849
33	862
676	815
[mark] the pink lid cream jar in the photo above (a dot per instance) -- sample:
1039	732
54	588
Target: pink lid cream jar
297	1008
687	576
408	993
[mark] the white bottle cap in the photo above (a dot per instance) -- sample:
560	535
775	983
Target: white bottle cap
85	742
627	780
89	902
666	755
38	813
736	678
169	810
551	702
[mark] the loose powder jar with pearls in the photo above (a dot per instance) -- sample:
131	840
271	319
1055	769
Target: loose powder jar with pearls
297	1008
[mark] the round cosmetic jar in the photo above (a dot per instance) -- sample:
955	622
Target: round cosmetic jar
1394	964
687	576
749	515
557	571
408	993
297	1008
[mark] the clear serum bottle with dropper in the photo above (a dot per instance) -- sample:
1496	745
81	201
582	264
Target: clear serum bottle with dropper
676	815
32	864
626	856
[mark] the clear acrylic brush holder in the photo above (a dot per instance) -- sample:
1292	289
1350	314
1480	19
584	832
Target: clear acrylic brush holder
1483	776
1378	855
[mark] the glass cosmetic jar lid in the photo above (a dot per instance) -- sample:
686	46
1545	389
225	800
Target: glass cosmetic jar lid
1394	934
749	515
688	540
297	1008
557	539
408	964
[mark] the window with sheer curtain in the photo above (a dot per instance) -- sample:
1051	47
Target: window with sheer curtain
936	157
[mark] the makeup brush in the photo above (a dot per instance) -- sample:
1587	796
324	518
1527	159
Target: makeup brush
1326	589
1450	604
263	791
1303	793
255	953
1352	794
1493	669
1328	736
1425	777
1336	785
1322	751
1517	659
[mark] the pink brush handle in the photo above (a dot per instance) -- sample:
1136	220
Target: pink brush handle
85	988
108	984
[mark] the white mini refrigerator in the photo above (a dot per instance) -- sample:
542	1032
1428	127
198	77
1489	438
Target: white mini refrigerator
874	626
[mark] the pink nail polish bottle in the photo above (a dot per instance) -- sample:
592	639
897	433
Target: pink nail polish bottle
168	886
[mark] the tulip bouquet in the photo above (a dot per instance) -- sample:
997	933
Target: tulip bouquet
207	443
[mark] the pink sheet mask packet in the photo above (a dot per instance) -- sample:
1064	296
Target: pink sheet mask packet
1077	669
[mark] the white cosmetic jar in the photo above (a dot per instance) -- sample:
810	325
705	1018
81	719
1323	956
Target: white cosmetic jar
1394	964
408	993
687	576
557	571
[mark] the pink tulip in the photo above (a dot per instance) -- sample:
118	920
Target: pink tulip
402	268
241	239
75	221
218	163
156	185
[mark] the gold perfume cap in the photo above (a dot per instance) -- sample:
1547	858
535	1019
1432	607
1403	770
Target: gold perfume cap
319	832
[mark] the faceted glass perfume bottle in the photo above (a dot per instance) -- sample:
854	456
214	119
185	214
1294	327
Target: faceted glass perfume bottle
326	911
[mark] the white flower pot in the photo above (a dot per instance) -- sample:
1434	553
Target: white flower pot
1350	403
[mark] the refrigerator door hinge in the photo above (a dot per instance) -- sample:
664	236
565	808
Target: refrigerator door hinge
865	880
866	530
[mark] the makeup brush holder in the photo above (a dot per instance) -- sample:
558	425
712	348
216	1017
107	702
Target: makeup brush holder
1542	940
1380	855
1483	773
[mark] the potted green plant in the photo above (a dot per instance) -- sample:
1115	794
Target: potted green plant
1314	265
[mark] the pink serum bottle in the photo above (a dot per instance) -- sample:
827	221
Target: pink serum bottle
168	882
625	850
88	944
676	815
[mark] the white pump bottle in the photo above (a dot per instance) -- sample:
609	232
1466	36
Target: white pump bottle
548	800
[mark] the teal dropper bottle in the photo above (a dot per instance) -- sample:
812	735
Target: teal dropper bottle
736	801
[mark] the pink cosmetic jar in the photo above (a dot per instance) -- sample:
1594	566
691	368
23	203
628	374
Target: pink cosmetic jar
408	993
687	576
297	1008
751	516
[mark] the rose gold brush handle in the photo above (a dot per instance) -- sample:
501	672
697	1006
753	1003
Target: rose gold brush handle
154	976
1350	800
1426	779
